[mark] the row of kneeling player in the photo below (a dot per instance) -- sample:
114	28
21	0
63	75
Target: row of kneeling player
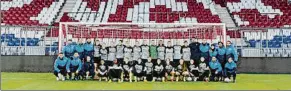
183	71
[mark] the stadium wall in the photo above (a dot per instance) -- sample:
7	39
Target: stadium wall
45	64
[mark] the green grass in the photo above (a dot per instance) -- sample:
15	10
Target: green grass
46	81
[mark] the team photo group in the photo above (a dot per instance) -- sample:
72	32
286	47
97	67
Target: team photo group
151	60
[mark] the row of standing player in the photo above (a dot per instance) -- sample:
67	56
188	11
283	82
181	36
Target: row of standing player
193	51
144	71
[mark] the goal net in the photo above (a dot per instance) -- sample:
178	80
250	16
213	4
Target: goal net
108	33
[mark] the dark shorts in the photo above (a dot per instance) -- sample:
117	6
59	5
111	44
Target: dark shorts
97	60
138	74
73	68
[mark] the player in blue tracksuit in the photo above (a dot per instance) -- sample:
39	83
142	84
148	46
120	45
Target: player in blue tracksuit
74	66
195	51
80	49
60	67
88	48
230	69
221	54
204	49
212	51
69	49
231	52
88	68
215	69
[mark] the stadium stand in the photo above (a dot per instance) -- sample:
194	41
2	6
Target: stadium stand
273	14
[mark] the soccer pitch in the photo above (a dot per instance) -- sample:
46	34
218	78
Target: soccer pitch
47	81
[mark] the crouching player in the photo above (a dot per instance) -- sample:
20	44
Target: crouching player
148	70
193	70
138	70
169	70
127	71
60	67
159	71
102	71
203	70
230	70
115	71
216	70
181	71
74	66
88	69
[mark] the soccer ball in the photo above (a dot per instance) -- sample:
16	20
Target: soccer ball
189	79
227	80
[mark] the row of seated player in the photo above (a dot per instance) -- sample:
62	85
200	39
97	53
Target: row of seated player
260	13
30	12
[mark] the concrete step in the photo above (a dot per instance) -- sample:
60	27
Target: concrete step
69	5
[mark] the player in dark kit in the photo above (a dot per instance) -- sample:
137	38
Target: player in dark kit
120	52
138	70
127	71
115	71
195	52
169	70
193	70
88	69
159	72
181	71
102	71
203	70
148	70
